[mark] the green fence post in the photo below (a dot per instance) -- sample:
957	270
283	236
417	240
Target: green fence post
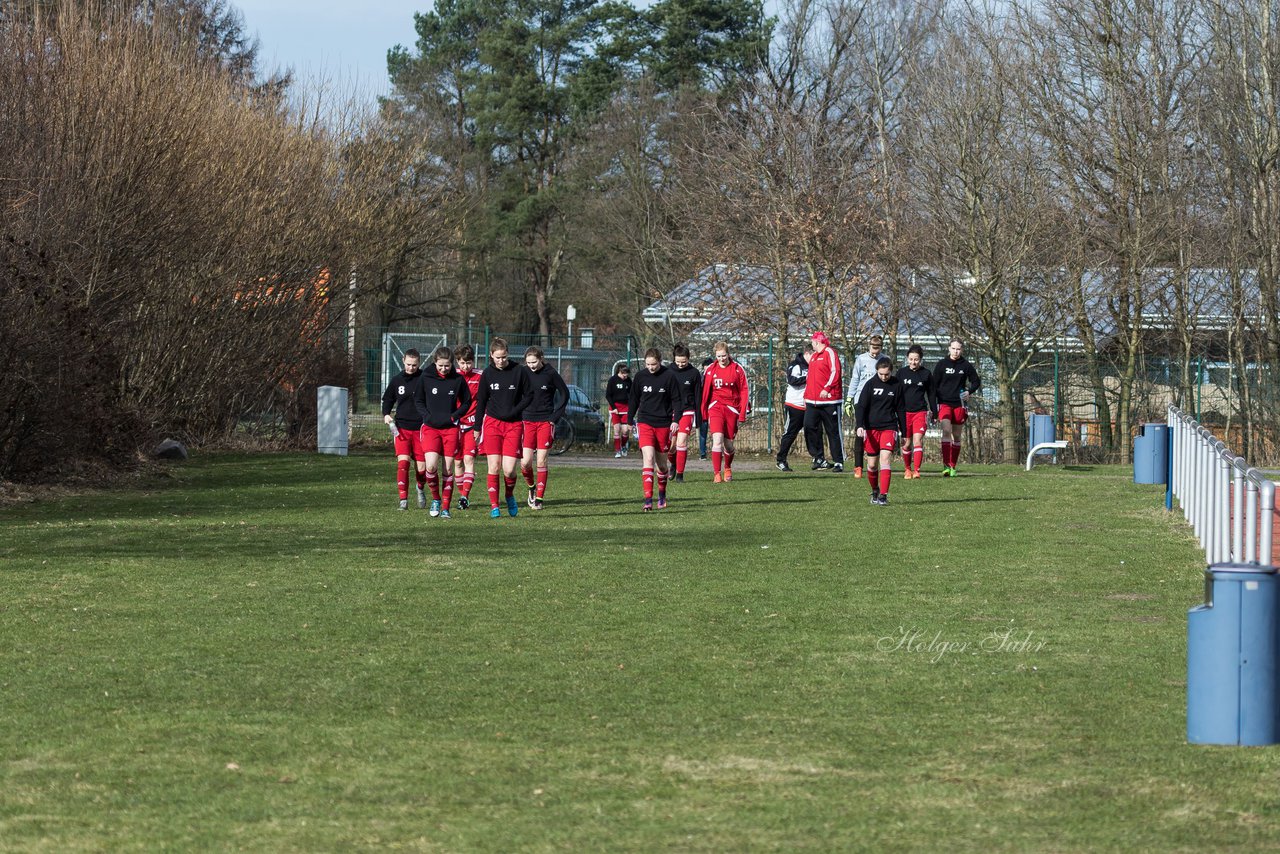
769	447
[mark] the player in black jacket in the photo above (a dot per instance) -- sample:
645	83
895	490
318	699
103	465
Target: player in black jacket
881	419
654	408
504	394
442	397
405	426
917	387
546	408
617	391
689	398
950	377
793	404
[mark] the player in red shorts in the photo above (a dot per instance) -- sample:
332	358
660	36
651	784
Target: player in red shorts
689	396
917	388
405	425
504	394
617	393
654	409
881	418
725	405
464	468
540	418
441	397
950	376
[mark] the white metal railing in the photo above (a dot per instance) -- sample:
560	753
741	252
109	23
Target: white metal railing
1208	480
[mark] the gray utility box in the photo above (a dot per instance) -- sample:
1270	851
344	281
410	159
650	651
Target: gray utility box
332	420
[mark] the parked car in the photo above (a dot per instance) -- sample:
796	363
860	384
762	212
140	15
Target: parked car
582	422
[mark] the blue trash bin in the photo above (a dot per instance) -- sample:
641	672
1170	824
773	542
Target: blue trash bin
1231	657
1150	452
1041	429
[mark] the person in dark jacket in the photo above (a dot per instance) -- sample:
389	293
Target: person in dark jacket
881	409
405	425
504	394
617	391
546	408
793	404
442	398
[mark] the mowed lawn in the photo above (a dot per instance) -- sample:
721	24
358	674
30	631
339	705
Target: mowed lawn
261	653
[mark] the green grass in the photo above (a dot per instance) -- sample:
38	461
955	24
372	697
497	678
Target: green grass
261	653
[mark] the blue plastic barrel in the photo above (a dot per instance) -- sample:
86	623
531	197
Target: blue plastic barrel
1041	428
1232	641
1150	454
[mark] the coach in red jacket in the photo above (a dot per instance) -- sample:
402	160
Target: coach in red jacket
822	394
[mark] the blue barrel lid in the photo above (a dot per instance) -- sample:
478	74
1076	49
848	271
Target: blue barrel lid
1228	569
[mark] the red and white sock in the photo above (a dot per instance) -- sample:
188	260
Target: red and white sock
617	443
541	489
917	459
493	490
402	478
885	475
682	457
448	491
422	477
467	480
716	459
433	481
647	477
528	475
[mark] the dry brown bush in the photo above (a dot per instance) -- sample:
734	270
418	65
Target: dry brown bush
170	247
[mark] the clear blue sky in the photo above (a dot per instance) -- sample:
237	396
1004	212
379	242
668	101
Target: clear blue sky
344	42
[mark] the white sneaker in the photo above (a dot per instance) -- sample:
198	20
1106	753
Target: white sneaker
404	504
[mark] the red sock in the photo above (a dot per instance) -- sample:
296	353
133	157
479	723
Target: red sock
885	474
467	480
906	459
542	483
493	490
946	454
873	479
402	478
917	459
647	476
955	454
682	457
422	477
715	461
728	461
433	481
510	484
448	491
528	475
617	444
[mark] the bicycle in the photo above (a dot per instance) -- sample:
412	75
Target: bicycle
564	438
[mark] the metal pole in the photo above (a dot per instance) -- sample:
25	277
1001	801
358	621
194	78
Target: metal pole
1268	491
1251	522
1237	514
771	401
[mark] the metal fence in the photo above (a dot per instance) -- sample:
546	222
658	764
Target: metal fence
1229	504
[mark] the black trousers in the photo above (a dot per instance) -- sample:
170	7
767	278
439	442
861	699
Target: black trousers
791	428
819	418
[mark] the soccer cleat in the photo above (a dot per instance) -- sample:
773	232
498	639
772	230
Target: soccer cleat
838	468
680	477
422	499
948	471
782	466
875	498
702	456
404	504
728	474
495	513
435	507
662	500
883	499
463	503
444	514
717	478
648	504
617	455
533	496
819	464
513	506
537	504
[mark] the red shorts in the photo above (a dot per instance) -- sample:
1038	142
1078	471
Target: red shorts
954	414
880	440
722	419
654	437
466	443
917	422
409	444
618	415
686	423
501	438
443	442
538	435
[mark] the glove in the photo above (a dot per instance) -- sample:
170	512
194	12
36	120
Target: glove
848	407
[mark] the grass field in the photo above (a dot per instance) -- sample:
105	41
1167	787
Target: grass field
261	653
